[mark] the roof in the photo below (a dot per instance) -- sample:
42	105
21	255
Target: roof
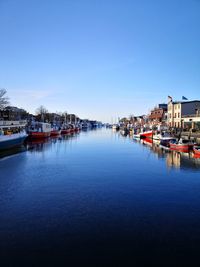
185	102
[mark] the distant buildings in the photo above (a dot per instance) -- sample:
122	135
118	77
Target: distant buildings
175	114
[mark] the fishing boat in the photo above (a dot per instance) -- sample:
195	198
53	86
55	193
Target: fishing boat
55	132
39	130
146	134
166	138
196	150
66	131
12	134
12	140
181	145
85	125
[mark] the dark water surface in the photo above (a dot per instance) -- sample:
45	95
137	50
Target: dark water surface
99	199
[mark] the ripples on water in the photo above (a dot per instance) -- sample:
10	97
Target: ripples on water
99	199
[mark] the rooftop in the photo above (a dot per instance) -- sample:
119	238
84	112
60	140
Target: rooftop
185	102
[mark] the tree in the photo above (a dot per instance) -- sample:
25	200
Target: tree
41	113
41	110
3	99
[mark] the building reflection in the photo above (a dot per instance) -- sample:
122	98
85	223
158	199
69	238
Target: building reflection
174	159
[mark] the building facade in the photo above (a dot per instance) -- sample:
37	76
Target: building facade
179	113
158	115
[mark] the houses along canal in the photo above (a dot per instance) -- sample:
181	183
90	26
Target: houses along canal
97	198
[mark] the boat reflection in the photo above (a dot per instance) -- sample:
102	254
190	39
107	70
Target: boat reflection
13	151
44	143
174	159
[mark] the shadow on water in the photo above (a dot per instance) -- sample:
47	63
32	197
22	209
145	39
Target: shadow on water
11	152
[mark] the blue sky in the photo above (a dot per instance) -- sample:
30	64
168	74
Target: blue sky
99	59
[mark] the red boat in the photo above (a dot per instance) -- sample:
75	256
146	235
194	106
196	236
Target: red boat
39	134
76	129
148	141
65	131
55	132
39	130
196	150
182	145
147	134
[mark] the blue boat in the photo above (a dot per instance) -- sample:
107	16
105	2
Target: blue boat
12	140
12	134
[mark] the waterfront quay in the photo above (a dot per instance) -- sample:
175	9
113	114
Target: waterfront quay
98	198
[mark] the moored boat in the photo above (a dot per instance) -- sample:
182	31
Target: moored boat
166	138
196	150
165	141
66	131
55	132
39	130
12	140
181	145
12	134
146	134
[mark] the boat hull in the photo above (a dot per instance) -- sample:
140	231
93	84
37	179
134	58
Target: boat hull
38	135
55	133
148	134
196	150
166	142
12	142
66	131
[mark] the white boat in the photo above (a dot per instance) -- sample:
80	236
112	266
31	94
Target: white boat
39	130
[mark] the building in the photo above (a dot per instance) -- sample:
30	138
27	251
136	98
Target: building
182	112
158	115
11	113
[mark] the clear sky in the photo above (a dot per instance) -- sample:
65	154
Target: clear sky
100	59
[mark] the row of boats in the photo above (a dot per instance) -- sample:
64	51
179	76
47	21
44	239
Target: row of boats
14	134
166	140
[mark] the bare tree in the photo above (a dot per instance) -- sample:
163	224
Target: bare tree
3	99
41	113
41	110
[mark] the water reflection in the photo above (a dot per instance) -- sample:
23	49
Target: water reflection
44	144
174	159
13	151
38	145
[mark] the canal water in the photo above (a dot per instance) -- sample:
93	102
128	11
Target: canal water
99	199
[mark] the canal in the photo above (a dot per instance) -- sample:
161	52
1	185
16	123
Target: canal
99	199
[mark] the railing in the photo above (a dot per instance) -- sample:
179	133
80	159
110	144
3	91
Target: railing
13	123
191	116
